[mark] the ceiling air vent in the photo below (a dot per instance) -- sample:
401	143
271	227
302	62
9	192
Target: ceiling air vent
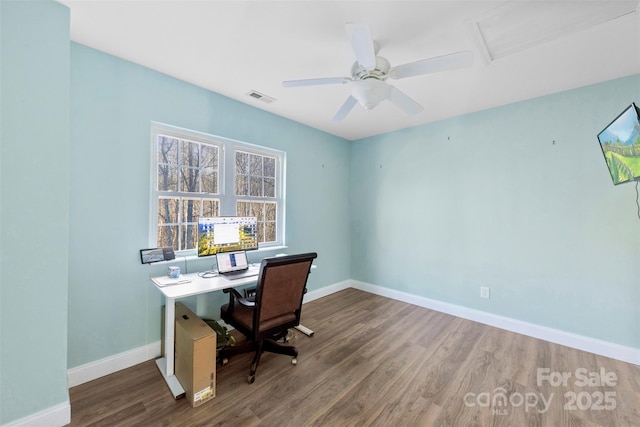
261	96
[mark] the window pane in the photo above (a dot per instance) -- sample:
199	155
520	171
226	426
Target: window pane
167	178
270	167
255	165
209	180
269	231
167	163
189	180
168	237
242	163
257	210
167	211
260	232
270	211
189	236
189	153
256	187
242	185
269	187
209	156
167	150
209	208
243	209
190	210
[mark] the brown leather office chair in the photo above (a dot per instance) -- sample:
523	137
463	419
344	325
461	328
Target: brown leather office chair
278	301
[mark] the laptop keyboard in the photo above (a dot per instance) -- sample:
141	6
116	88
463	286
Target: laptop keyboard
235	273
240	274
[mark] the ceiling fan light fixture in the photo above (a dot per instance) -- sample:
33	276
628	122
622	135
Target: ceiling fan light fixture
370	92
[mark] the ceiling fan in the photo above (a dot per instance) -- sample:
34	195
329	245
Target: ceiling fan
370	72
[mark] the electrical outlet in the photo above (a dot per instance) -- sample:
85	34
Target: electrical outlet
484	292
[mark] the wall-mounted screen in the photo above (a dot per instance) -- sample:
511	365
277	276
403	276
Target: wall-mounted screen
226	234
620	143
149	256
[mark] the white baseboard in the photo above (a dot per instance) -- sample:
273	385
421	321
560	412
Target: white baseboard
327	290
580	342
111	364
54	416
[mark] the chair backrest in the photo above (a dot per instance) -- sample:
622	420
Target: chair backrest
279	292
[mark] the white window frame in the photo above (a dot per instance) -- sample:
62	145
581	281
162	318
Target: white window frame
226	186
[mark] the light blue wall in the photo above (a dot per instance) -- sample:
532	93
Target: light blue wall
485	199
34	200
516	198
112	305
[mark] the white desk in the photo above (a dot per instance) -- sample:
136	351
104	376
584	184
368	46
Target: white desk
197	285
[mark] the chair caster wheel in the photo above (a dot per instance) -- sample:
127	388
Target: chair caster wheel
224	361
294	361
251	379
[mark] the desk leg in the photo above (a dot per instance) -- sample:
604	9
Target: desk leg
174	385
166	364
169	334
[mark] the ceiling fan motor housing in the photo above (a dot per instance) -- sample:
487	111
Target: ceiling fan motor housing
358	72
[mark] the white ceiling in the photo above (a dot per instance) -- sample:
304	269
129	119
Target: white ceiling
233	47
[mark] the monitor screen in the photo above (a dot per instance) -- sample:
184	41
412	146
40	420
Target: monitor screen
620	143
227	234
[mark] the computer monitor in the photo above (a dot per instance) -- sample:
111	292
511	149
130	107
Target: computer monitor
227	234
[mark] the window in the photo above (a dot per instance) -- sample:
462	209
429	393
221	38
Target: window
255	177
190	180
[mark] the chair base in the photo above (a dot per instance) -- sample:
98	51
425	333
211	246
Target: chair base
260	347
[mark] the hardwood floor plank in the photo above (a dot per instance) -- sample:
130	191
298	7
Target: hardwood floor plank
363	399
379	362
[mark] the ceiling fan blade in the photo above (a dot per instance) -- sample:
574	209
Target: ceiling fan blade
433	65
402	101
361	40
316	82
345	109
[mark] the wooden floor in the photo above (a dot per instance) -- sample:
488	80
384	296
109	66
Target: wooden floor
374	361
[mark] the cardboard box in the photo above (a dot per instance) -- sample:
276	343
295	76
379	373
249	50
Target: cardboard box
195	361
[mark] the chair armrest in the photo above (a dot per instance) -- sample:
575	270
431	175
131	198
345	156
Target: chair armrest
235	295
232	291
246	302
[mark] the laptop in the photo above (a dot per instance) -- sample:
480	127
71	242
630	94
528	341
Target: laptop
234	265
